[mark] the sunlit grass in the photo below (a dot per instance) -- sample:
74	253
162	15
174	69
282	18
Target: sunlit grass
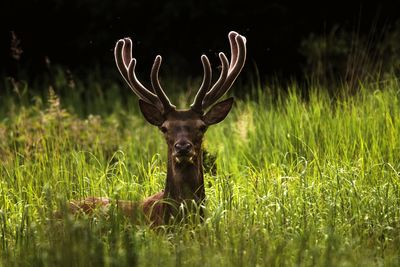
298	181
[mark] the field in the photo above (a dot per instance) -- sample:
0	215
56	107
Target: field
291	180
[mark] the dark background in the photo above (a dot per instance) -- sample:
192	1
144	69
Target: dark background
80	34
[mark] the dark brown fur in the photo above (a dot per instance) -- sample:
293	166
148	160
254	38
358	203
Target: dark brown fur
184	183
183	131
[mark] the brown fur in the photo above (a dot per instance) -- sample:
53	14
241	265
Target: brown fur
183	131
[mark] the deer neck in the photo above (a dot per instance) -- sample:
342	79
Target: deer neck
185	180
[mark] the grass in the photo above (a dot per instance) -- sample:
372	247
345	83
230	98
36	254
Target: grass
298	182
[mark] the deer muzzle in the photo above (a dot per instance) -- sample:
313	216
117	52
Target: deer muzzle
184	152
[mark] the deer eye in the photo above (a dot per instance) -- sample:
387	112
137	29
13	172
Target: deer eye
163	129
203	128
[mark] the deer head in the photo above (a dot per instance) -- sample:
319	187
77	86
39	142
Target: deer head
184	129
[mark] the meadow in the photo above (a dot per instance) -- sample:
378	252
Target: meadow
291	179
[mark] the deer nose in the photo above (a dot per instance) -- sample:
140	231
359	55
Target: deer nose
183	147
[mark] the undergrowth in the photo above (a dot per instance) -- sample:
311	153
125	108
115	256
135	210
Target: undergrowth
292	181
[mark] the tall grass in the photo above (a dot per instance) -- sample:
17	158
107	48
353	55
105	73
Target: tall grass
298	182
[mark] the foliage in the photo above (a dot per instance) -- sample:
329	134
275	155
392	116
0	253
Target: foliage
299	182
351	56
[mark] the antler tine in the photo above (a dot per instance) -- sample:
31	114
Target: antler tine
221	79
126	66
234	47
155	82
120	60
141	91
238	58
126	51
205	85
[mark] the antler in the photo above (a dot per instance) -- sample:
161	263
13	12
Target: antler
206	97
126	65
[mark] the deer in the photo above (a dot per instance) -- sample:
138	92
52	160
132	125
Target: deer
183	130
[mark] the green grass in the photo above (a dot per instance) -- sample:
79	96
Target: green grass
298	182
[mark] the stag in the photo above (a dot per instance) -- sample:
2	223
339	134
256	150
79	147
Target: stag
183	130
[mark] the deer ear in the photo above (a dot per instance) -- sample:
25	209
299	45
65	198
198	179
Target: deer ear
218	112
151	113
